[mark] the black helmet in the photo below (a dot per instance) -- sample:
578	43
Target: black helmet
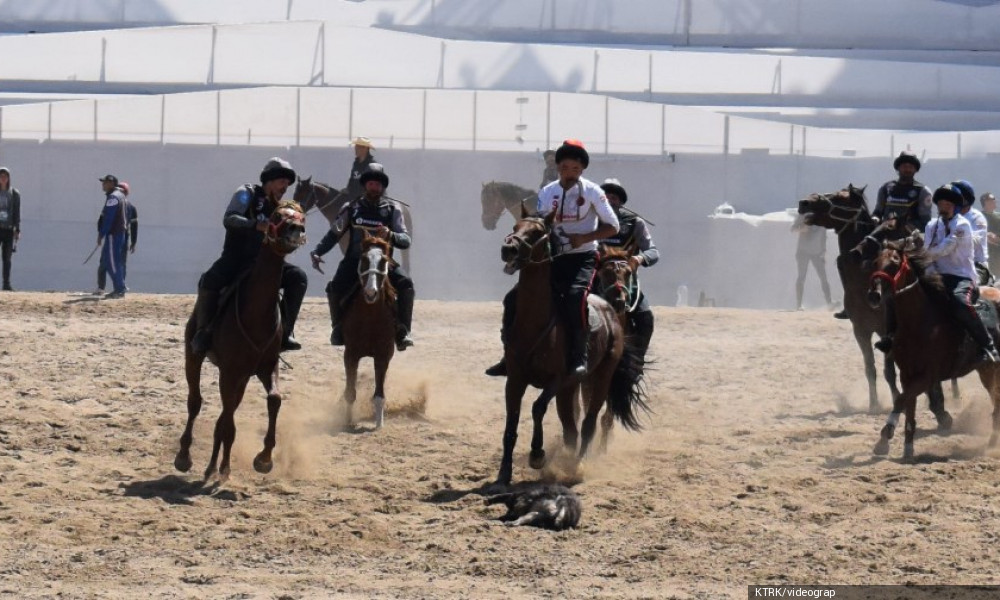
951	193
965	188
375	172
613	186
906	157
573	149
277	168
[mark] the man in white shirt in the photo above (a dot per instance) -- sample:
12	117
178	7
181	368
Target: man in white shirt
582	217
980	230
948	241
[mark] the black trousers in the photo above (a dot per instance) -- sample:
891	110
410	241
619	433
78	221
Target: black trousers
963	294
294	283
6	250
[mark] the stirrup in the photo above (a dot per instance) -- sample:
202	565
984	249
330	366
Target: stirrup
403	342
290	343
989	355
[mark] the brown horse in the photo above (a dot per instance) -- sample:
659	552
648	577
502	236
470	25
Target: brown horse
929	344
370	324
846	213
329	201
535	354
498	196
246	342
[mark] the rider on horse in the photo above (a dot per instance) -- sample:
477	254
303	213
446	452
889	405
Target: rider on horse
633	232
948	242
246	221
384	218
980	230
364	156
582	217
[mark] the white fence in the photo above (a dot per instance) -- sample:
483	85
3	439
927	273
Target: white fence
455	120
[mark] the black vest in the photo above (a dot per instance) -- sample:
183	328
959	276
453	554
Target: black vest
626	226
246	243
362	214
902	202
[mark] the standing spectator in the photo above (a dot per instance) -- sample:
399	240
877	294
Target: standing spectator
10	223
550	173
131	236
811	249
112	234
989	203
364	156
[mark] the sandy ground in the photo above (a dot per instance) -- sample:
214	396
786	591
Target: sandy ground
756	467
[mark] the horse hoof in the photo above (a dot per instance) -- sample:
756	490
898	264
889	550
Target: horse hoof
182	463
881	448
536	460
945	422
887	432
262	465
907	452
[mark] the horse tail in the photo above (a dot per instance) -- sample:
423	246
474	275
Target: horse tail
627	396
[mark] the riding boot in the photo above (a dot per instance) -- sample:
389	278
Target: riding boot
506	323
205	308
404	318
333	299
289	314
578	352
642	331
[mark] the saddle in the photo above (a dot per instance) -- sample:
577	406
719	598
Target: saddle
227	295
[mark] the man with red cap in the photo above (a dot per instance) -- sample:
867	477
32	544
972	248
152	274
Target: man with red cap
583	216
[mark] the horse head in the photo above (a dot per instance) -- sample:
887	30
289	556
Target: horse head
899	264
616	277
493	205
286	229
305	193
373	268
528	243
836	210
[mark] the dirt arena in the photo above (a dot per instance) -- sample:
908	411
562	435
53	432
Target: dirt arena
755	467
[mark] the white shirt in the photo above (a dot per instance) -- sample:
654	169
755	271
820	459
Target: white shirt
949	244
977	220
578	211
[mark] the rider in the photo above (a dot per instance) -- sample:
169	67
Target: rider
633	231
583	216
246	221
550	173
366	212
980	229
948	242
364	156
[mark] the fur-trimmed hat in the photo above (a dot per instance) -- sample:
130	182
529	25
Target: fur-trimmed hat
613	186
375	172
277	168
906	157
573	149
950	193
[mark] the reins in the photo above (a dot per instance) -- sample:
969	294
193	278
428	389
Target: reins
894	280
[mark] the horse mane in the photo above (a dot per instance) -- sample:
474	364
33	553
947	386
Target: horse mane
613	253
372	240
920	262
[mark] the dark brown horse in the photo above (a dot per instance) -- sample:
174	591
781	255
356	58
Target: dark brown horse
498	196
846	213
245	343
535	355
930	345
329	200
369	324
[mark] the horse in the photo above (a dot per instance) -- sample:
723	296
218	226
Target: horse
846	213
617	282
498	196
246	342
369	324
535	355
929	344
329	201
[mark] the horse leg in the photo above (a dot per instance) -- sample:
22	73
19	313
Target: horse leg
889	429
935	395
231	390
600	387
378	400
350	387
955	394
536	459
192	371
911	426
868	353
990	376
514	392
569	410
262	463
889	372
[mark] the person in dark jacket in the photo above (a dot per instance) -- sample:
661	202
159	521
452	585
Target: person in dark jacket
364	156
369	211
246	221
111	235
10	223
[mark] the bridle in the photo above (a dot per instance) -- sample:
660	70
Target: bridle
526	250
853	213
631	292
897	281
